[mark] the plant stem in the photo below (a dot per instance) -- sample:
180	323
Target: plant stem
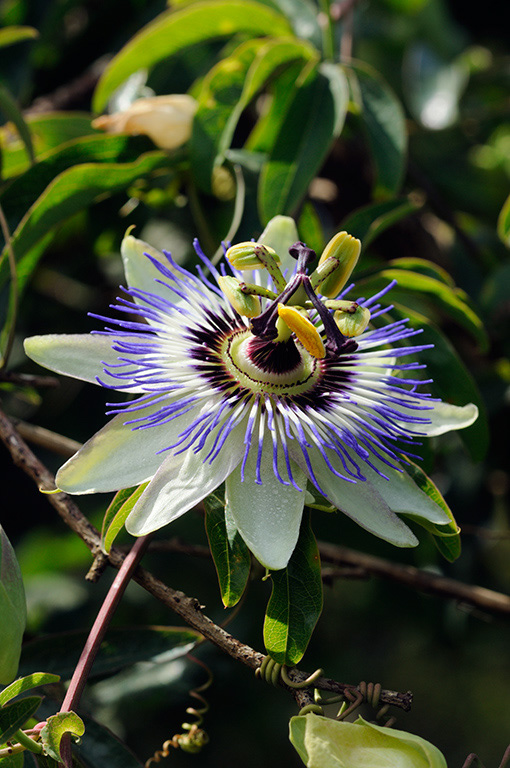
328	37
26	742
96	635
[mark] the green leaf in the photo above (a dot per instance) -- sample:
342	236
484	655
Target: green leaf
11	35
120	648
423	267
13	610
369	222
384	122
26	684
117	513
504	223
14	716
172	32
68	193
310	227
452	301
48	131
315	117
55	728
296	601
446	537
11	111
13	761
230	554
226	92
452	380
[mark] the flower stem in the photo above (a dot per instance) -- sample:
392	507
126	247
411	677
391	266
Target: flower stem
96	635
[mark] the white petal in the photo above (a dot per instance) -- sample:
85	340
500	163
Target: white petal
140	271
75	355
445	418
181	482
360	501
118	457
268	515
280	234
402	494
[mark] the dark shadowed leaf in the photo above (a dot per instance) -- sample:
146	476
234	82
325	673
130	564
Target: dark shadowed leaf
369	222
296	601
230	554
100	747
11	112
14	716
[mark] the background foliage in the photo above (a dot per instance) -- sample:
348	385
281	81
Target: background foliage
407	147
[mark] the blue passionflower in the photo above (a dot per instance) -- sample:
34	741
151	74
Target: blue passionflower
274	390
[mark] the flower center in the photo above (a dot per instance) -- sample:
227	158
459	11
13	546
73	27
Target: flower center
270	367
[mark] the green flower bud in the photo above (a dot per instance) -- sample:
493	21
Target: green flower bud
246	304
322	743
251	256
223	183
336	264
12	610
352	323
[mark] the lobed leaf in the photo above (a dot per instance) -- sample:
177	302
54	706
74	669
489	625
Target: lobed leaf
230	554
296	601
172	32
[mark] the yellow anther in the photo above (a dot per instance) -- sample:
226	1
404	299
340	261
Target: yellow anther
305	330
246	304
336	264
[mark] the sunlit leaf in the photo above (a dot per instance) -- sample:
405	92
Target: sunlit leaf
117	513
315	117
384	122
423	267
26	684
11	35
296	601
12	112
172	32
56	727
230	554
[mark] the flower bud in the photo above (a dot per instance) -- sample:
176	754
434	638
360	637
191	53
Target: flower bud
167	120
244	303
322	742
251	255
352	323
12	610
336	263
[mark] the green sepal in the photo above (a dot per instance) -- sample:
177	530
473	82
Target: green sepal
230	554
296	601
117	513
56	727
446	537
14	716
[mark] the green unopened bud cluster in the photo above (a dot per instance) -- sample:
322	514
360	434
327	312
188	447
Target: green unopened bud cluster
336	264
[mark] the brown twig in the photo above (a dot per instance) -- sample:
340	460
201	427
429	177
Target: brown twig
485	599
188	608
53	441
28	380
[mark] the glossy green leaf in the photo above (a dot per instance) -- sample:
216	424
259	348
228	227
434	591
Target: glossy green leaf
315	117
120	648
369	222
423	267
100	748
13	612
172	32
310	227
296	601
55	728
117	513
504	222
446	537
384	122
68	193
48	131
452	301
11	35
14	716
26	684
226	92
230	554
12	112
452	380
